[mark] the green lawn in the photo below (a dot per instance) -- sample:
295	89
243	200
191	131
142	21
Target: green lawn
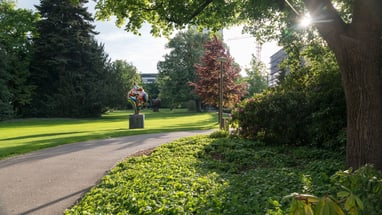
25	135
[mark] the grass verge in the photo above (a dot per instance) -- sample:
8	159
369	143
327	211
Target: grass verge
204	175
26	135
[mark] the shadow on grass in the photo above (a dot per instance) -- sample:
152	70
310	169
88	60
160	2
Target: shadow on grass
54	139
27	143
40	135
117	116
120	143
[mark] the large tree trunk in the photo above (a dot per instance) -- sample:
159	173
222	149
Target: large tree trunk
357	47
198	104
362	81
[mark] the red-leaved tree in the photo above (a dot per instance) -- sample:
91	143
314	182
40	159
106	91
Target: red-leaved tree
217	59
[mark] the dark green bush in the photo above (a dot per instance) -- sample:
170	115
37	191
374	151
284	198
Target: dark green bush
275	117
327	120
219	134
307	108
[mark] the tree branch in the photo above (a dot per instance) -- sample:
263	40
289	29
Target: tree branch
326	19
200	9
192	16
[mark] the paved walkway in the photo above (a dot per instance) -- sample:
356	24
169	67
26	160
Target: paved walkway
47	182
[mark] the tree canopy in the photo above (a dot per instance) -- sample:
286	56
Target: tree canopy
256	76
217	63
17	27
177	68
120	79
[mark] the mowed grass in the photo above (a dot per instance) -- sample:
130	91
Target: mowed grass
26	135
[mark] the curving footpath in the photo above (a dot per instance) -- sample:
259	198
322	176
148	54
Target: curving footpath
48	181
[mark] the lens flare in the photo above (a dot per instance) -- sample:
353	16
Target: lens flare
306	21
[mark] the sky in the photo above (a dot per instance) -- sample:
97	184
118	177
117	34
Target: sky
145	51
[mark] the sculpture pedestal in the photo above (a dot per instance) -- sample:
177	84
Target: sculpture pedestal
136	121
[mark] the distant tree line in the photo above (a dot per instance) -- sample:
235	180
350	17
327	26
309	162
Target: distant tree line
52	66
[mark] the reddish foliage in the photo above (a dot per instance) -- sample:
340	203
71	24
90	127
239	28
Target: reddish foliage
215	60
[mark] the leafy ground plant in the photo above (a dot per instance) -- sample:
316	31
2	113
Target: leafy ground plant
210	175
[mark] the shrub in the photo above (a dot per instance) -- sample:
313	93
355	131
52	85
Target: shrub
274	117
307	108
219	134
327	120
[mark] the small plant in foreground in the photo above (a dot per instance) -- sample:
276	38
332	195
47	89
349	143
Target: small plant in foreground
360	193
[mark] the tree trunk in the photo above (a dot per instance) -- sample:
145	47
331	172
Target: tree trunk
198	105
357	46
362	81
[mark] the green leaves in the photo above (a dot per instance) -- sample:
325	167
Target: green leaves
17	27
263	17
257	77
167	16
163	183
327	205
120	79
349	199
204	175
69	68
361	190
307	107
178	67
353	204
303	204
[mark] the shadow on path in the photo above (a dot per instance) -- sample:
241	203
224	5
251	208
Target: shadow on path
36	209
50	180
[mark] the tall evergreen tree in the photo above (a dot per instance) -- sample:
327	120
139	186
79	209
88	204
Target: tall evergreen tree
217	60
5	106
178	67
68	65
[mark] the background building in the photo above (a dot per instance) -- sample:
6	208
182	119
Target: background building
148	78
275	70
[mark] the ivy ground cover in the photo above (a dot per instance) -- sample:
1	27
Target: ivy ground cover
205	175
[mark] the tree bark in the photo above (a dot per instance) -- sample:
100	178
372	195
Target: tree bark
361	77
198	104
357	47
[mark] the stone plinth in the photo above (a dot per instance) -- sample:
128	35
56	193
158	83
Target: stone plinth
136	121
